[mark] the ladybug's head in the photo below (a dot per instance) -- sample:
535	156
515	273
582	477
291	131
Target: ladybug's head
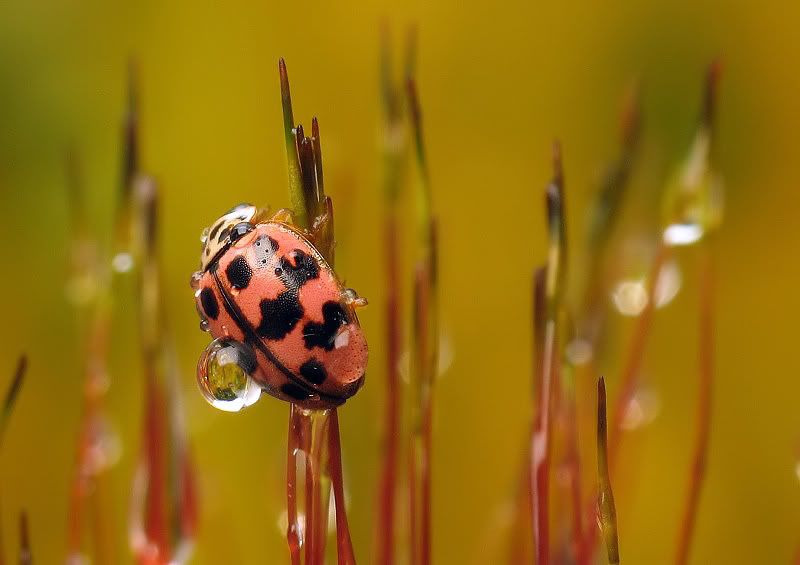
231	226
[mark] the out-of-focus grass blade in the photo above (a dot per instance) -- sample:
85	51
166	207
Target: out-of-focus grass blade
12	394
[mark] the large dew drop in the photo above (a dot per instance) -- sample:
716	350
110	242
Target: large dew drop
224	375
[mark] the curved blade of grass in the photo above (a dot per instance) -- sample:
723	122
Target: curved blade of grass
12	393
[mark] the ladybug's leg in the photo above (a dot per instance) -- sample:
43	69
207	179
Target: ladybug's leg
351	298
283	216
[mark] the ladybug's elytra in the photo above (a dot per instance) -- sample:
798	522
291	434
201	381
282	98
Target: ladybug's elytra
282	321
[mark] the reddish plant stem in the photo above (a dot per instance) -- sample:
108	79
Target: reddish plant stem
520	551
574	469
705	385
322	486
25	555
306	446
344	544
425	356
156	522
413	506
293	527
630	372
540	451
627	392
85	477
427	450
388	479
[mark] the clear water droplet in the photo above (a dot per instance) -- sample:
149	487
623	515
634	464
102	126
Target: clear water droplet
223	374
683	234
194	282
204	325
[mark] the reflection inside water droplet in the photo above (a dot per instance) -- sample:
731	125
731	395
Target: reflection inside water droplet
683	234
224	375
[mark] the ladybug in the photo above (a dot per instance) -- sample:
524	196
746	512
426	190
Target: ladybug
283	323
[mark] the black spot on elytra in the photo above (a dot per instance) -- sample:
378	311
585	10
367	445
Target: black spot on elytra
265	248
323	335
279	316
209	302
239	272
298	268
313	371
294	391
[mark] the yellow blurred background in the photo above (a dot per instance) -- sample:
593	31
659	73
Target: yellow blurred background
498	81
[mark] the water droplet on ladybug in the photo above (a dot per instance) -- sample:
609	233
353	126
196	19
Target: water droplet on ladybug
240	230
224	374
194	282
204	325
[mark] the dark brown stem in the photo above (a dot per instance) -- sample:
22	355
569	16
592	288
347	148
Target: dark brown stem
705	385
607	512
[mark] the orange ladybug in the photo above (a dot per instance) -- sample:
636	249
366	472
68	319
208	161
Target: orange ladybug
283	323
